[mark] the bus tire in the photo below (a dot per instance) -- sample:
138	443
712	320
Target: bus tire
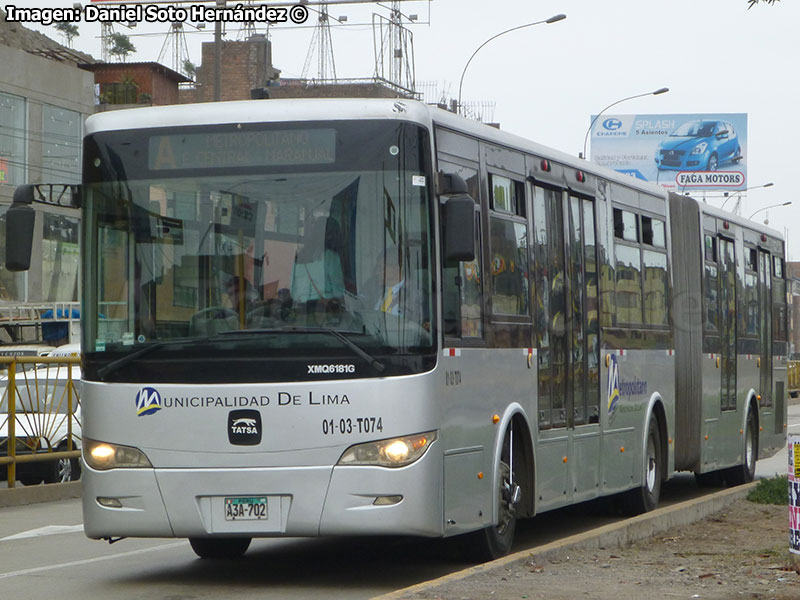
216	548
745	472
495	541
645	498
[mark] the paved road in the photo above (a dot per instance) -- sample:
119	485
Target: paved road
44	554
779	464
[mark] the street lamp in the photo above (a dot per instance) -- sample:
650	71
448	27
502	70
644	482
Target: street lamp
662	90
768	207
740	192
553	19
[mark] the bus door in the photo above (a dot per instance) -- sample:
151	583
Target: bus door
765	343
583	349
566	332
718	412
727	292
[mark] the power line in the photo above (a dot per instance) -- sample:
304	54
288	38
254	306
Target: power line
71	142
43	168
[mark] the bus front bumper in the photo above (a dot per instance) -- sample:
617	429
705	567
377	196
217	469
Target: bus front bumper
301	501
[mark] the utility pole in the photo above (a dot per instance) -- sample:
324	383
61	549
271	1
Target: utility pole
218	55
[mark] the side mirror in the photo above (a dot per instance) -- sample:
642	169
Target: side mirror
459	228
450	184
20	218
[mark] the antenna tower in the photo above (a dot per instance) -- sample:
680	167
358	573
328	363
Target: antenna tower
106	29
248	28
394	49
175	44
322	46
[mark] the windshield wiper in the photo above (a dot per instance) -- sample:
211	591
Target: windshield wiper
121	362
374	362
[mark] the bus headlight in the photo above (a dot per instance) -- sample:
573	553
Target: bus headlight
103	456
394	452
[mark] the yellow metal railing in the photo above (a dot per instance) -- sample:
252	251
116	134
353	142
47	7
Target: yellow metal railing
794	375
39	407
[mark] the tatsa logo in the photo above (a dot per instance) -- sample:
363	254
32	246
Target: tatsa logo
148	401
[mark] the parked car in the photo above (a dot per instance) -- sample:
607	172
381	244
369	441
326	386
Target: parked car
42	418
699	145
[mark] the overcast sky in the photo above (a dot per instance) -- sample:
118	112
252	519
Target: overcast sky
714	55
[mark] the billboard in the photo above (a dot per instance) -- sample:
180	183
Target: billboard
680	152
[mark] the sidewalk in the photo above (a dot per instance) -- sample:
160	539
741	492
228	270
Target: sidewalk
719	546
33	494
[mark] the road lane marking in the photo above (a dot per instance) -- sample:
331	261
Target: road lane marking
88	561
42	531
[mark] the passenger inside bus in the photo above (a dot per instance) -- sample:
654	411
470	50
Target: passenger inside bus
241	293
387	285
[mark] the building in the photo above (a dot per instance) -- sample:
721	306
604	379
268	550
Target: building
249	73
44	100
247	66
126	85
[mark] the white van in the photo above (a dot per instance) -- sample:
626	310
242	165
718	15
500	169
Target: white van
42	419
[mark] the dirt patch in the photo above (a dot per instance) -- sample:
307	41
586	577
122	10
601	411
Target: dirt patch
740	552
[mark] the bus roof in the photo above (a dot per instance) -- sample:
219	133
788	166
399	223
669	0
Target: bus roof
312	109
257	111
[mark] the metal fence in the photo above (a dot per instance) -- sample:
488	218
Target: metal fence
794	377
40	418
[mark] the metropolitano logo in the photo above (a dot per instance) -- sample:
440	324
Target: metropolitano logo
613	393
148	401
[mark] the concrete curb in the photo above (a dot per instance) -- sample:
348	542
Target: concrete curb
34	494
617	534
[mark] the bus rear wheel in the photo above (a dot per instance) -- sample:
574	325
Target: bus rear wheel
745	472
645	498
215	548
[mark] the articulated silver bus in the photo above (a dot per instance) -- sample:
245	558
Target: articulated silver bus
339	317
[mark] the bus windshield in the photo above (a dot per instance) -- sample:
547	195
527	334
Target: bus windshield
291	242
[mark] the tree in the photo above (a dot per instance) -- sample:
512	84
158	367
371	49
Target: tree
752	3
68	30
189	68
121	46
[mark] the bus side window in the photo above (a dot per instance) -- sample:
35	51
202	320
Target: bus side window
628	267
711	283
509	244
778	300
656	277
462	282
751	315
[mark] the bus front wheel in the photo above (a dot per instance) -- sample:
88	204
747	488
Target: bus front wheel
495	541
220	547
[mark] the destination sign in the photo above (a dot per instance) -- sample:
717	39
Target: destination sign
242	149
